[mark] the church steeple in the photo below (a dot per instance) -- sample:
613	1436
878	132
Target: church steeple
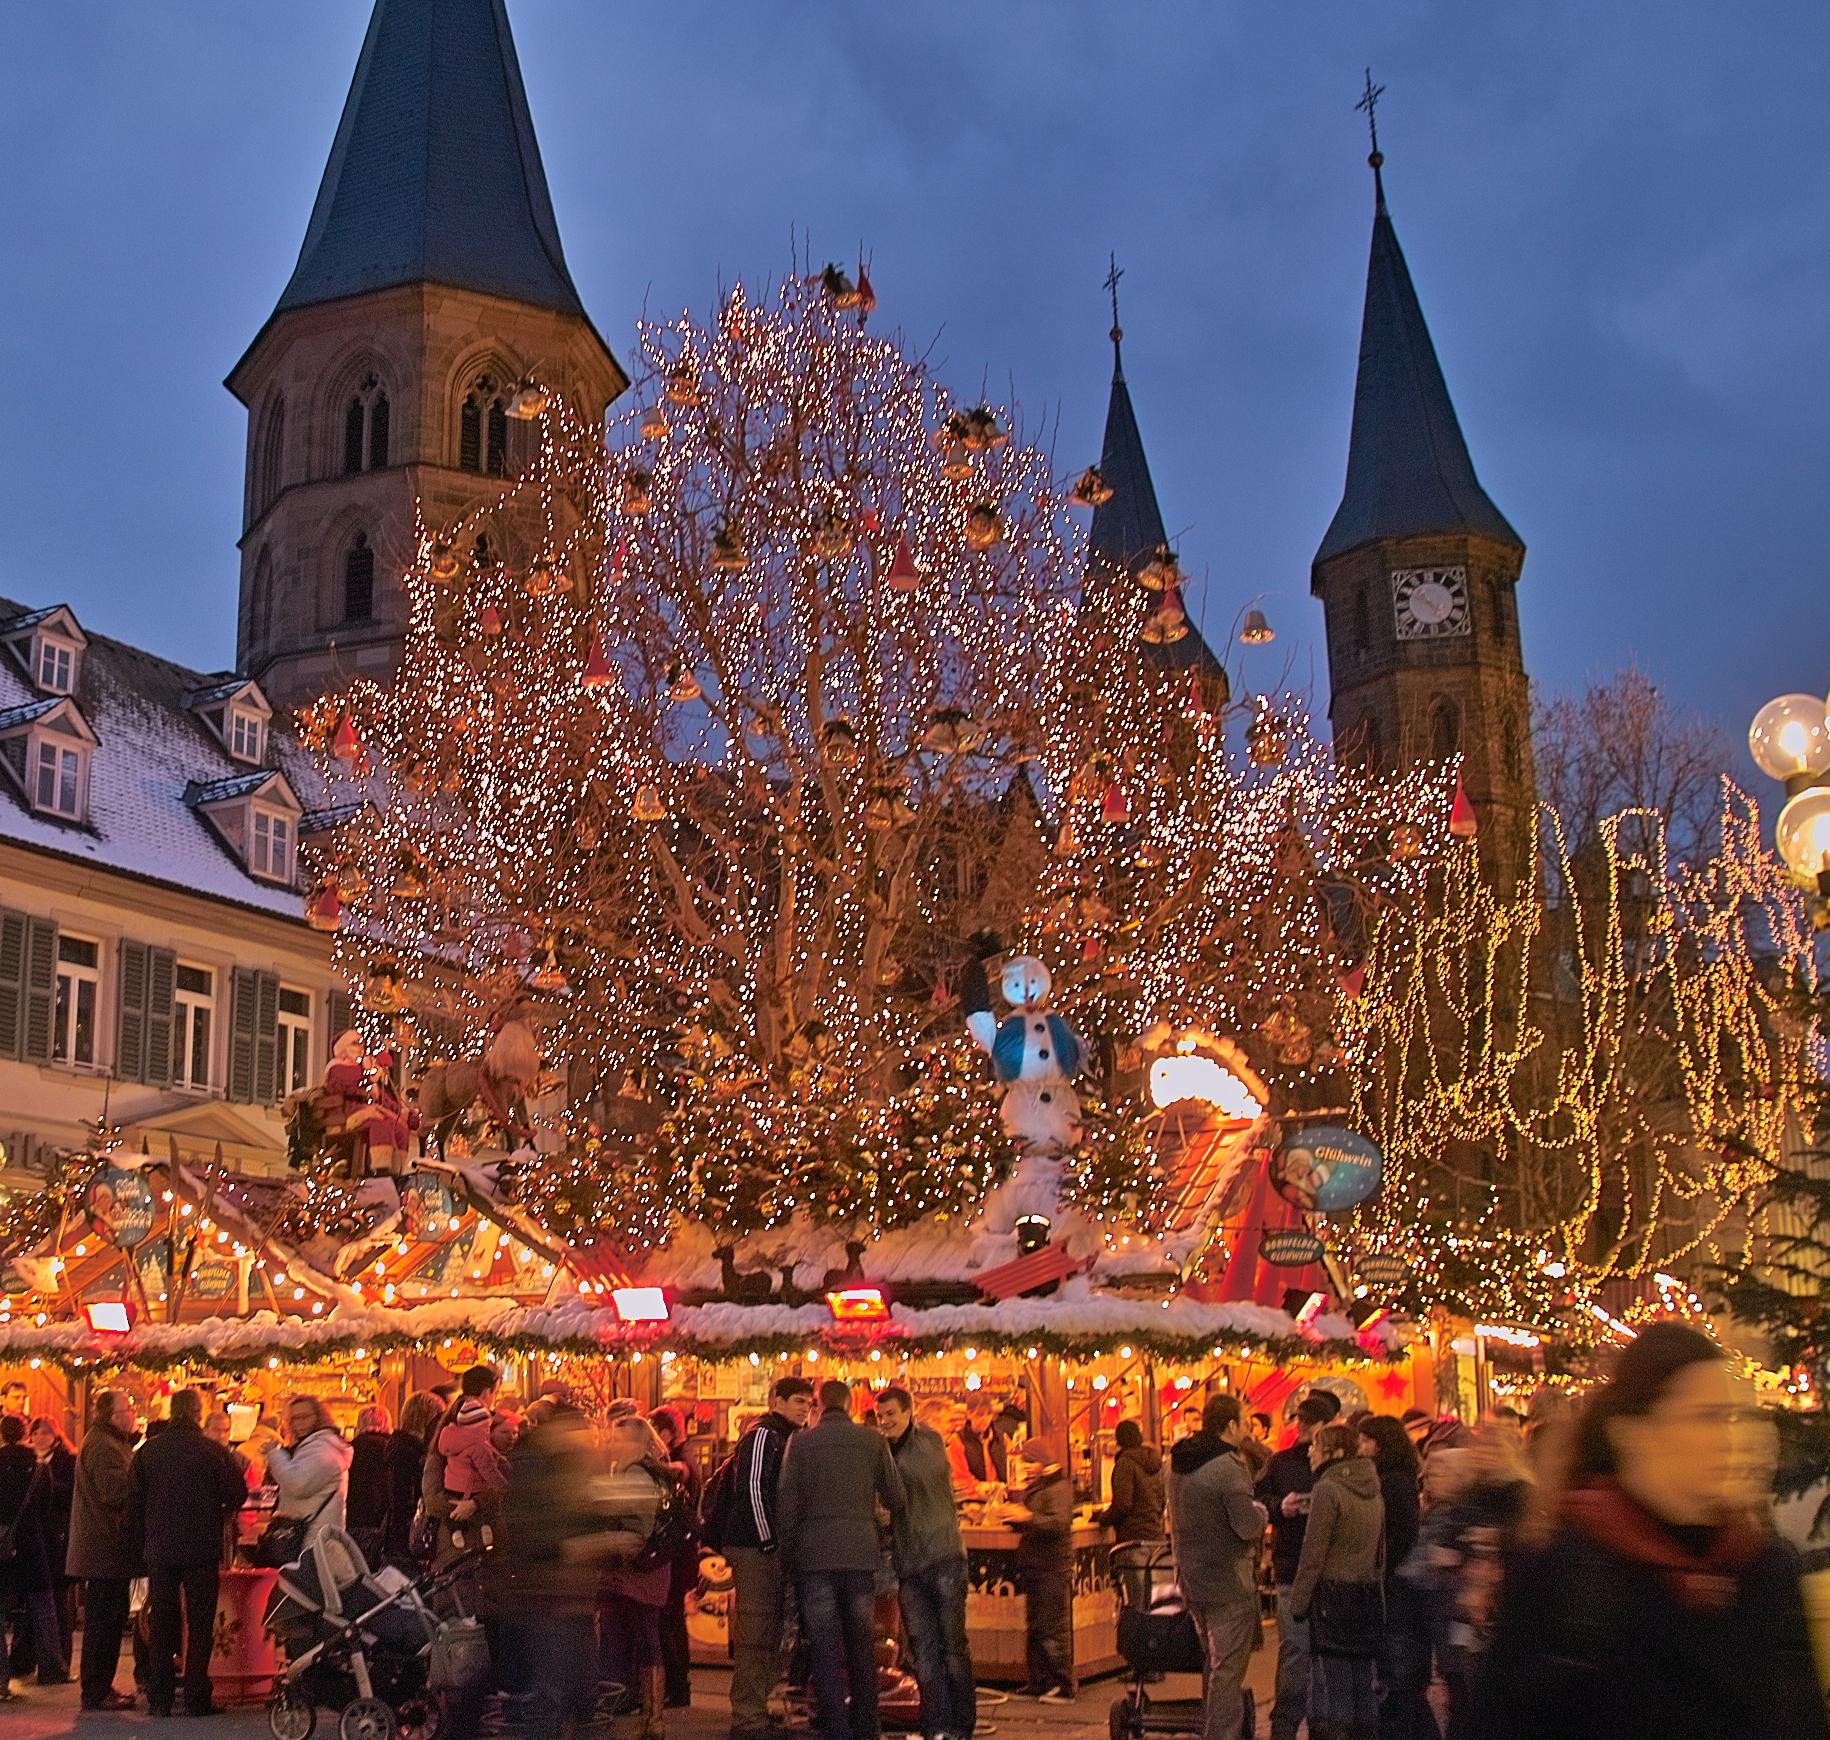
431	280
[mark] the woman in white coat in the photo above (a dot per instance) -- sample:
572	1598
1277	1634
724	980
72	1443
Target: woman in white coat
312	1469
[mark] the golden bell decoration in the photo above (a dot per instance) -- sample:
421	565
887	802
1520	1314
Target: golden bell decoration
835	284
636	486
530	401
980	430
1162	573
653	426
1166	624
682	685
839	742
728	553
832	538
549	975
984	527
385	993
540	579
648	806
683	385
442	563
1267	741
949	731
886	810
1407	842
1091	489
1255	630
955	461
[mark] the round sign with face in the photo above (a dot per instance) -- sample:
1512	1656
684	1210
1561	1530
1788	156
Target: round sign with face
119	1204
1326	1169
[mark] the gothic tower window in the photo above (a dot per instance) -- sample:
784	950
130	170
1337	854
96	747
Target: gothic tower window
1445	728
365	429
470	435
483	429
353	420
378	432
269	456
359	581
496	459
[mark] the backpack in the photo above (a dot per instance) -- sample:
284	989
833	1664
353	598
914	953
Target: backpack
672	1532
715	1502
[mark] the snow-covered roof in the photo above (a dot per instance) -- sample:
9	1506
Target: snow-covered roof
28	711
153	751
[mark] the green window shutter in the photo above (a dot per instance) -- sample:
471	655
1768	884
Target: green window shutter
12	984
342	1015
244	1007
130	1029
161	982
40	982
266	1039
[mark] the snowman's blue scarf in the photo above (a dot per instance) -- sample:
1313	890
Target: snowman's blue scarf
1007	1048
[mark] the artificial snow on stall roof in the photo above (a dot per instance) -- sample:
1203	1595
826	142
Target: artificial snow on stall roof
152	748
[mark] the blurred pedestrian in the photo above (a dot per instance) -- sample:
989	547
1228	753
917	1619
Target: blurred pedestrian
27	1575
311	1469
739	1516
1136	1510
642	1509
472	1463
1284	1489
930	1570
183	1490
365	1508
1043	1517
1216	1525
58	1459
1658	1605
978	1451
404	1459
1404	1650
102	1552
676	1646
1337	1588
834	1478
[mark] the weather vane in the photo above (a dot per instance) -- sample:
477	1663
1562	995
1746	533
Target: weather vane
1369	101
1112	278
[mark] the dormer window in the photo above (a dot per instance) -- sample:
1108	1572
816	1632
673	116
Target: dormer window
270	845
56	665
60	774
247	734
49	646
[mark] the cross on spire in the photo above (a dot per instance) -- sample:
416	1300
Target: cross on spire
1111	283
1369	105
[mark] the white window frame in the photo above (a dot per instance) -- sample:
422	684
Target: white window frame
271	838
189	1007
293	1038
59	767
247	734
63	656
66	1003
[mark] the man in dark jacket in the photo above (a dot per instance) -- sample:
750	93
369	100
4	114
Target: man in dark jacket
183	1489
1284	1490
748	1535
930	1571
103	1552
1044	1521
27	1580
1217	1525
1136	1510
834	1479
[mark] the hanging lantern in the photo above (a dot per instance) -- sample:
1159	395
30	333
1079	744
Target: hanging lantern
324	910
1255	630
1407	842
1463	823
1091	489
653	425
728	553
1114	806
984	526
549	975
345	745
903	575
1162	573
648	806
949	731
682	685
839	742
530	401
1267	741
597	672
683	385
350	881
489	620
442	563
1166	624
635	492
385	992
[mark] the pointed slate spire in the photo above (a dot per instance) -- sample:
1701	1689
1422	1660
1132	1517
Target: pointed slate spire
1408	470
434	175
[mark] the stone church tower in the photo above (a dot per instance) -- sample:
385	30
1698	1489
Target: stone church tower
430	282
1416	575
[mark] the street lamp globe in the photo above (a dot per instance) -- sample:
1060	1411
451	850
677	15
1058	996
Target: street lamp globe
1803	834
1789	738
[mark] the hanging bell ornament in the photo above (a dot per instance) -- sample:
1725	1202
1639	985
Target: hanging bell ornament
887	809
636	498
832	537
648	806
540	582
1407	843
1067	841
1161	573
836	286
530	401
549	975
984	527
1255	630
980	430
409	875
1267	741
442	563
1091	490
682	685
949	731
839	742
597	672
903	575
1166	624
955	461
324	910
728	553
345	745
653	426
683	385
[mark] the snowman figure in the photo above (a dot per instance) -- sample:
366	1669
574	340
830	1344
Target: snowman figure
1034	1053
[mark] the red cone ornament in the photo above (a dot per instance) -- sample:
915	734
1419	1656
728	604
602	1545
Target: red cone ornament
1114	806
597	673
1463	823
903	576
345	745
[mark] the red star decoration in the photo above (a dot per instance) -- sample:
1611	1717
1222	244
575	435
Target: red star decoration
1394	1383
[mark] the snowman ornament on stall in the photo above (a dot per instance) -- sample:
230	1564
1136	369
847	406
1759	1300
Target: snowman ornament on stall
1034	1055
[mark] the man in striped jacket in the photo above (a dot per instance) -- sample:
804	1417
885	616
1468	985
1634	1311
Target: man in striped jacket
751	1544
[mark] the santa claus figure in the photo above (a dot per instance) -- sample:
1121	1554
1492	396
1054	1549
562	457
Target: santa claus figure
362	1102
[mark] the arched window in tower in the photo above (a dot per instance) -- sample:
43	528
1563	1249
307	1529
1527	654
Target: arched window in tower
270	457
353	420
496	460
378	432
1445	728
365	428
483	428
359	581
470	434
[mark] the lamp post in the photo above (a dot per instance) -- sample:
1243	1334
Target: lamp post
1790	742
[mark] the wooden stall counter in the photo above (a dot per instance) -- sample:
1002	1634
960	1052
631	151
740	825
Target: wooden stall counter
994	1602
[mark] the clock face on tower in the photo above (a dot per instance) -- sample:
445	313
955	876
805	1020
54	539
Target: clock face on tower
1429	603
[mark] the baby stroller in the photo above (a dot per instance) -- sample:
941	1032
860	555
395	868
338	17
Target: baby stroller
1156	1636
357	1640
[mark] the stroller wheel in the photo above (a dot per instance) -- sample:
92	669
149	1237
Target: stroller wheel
421	1716
367	1719
291	1715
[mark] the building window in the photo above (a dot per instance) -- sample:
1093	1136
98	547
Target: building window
365	429
483	429
378	432
496	460
359	581
247	734
470	435
58	786
353	420
1445	728
78	989
270	846
294	1041
56	666
269	459
193	1005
